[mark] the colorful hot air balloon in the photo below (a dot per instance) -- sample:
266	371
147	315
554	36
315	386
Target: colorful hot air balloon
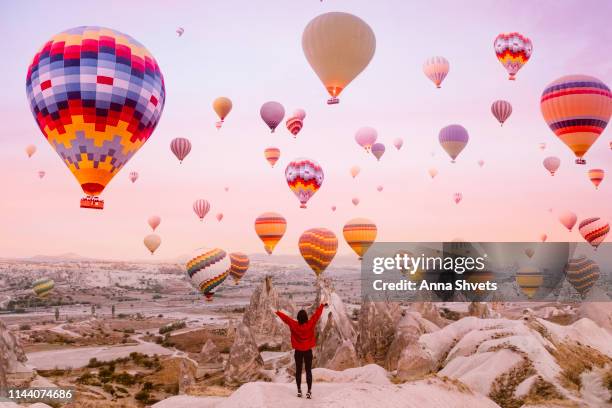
41	174
596	176
568	219
529	252
360	234
378	149
272	114
436	69
338	47
551	164
355	171
201	208
97	95
239	265
154	221
453	139
582	273
43	286
513	50
133	176
30	150
222	107
219	217
152	242
481	163
501	110
272	154
180	147
398	143
208	270
594	230
432	172
457	197
543	237
296	122
270	228
379	188
529	280
355	201
318	247
577	109
304	177
180	31
365	137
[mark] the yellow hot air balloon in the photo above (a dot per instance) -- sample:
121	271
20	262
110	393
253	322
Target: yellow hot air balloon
222	107
152	242
43	286
338	46
318	247
360	234
529	279
270	228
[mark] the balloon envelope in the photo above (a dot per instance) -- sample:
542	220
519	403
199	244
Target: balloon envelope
208	270
201	208
355	171
596	176
360	234
568	219
552	164
133	176
365	137
501	110
43	286
432	172
272	114
30	150
355	201
270	228
154	221
272	154
453	139
398	143
222	107
594	230
318	247
582	273
239	264
304	177
180	147
529	280
436	69
513	50
378	149
152	242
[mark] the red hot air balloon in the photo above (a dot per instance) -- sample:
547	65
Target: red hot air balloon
272	114
180	147
501	110
304	177
594	230
201	208
596	176
296	122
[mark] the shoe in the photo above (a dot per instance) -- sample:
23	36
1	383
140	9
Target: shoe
308	395
299	394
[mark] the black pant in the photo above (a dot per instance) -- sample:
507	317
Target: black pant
306	358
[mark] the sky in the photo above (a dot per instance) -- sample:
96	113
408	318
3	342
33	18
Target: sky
251	52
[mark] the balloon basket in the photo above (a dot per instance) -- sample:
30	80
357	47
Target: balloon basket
333	101
92	202
218	124
580	161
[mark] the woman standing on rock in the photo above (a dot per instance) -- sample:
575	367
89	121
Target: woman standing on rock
303	340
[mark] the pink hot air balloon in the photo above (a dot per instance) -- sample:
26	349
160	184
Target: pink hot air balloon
180	147
365	137
154	221
133	176
436	69
355	201
41	174
551	164
432	172
481	163
272	114
201	208
457	197
379	188
543	237
501	110
398	143
568	219
294	125
333	208
226	189
219	217
453	139
594	230
378	149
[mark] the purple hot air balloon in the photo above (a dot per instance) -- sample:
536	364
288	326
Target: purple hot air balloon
378	149
272	113
365	137
453	139
501	110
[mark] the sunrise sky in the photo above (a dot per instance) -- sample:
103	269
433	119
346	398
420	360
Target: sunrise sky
250	51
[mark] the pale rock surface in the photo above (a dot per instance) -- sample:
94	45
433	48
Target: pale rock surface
376	330
12	356
407	333
244	363
210	353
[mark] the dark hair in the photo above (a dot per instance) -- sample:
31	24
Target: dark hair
302	316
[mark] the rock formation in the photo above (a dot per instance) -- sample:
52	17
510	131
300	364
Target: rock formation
480	310
377	322
245	362
210	353
430	312
186	376
407	332
12	357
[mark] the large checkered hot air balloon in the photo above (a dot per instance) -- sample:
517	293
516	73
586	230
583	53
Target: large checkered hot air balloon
304	177
513	50
97	95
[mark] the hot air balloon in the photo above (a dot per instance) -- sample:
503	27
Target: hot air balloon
97	96
180	31
577	109
378	149
299	113
596	176
219	217
529	252
355	171
226	189
152	242
543	237
338	47
501	110
355	201
154	221
296	122
594	230
304	177
365	137
582	273
41	174
201	208
30	150
453	139
432	172
333	208
270	228
133	176
513	50
481	163
436	69
239	264
398	143
457	197
529	280
272	114
222	107
360	234
43	286
208	270
180	147
551	164
272	154
568	219
379	188
542	146
318	247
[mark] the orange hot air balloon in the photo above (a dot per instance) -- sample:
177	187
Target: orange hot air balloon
338	46
596	176
577	109
355	171
270	228
432	172
272	154
318	247
30	150
360	234
222	107
239	265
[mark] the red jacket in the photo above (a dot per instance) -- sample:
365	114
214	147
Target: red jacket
302	335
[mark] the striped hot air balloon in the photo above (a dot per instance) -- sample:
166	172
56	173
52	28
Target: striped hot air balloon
453	139
594	230
513	50
180	147
318	247
133	176
596	176
501	110
436	69
529	279
201	208
577	109
304	177
208	270
270	228
582	273
360	234
43	286
239	265
294	125
272	154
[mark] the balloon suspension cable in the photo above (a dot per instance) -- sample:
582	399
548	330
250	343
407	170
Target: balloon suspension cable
333	101
92	202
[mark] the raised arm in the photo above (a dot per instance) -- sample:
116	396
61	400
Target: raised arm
285	318
317	314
